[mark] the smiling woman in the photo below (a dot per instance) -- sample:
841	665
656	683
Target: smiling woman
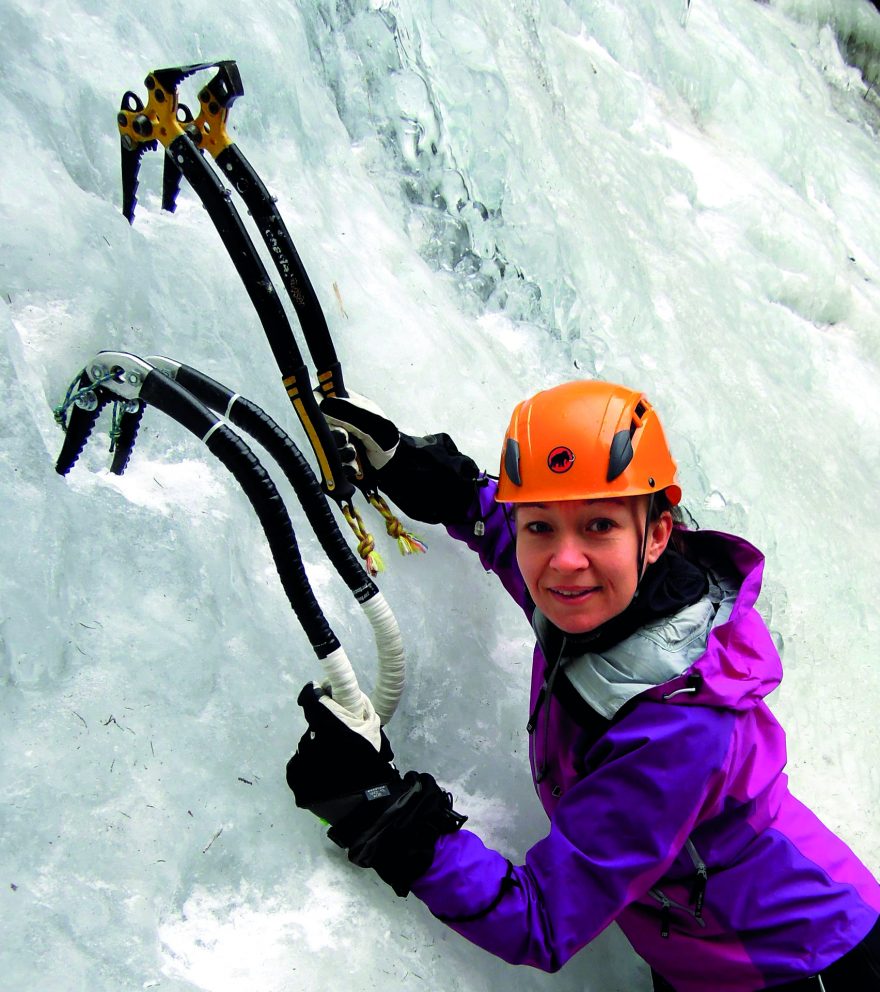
653	751
590	475
582	560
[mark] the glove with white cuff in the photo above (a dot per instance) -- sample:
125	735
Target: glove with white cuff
357	417
343	773
427	477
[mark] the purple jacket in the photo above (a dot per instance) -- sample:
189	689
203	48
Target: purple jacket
677	823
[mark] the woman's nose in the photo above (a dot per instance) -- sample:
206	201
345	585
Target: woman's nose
569	554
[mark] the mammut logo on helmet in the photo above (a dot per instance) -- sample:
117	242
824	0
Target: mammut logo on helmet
560	459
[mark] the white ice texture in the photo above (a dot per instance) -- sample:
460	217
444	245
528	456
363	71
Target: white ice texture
491	197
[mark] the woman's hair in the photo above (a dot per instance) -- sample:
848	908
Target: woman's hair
660	505
680	518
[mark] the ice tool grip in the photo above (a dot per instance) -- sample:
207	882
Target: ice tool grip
259	425
267	503
270	311
392	659
172	399
288	264
297	285
229	448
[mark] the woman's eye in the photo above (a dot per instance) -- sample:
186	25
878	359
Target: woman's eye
601	526
538	527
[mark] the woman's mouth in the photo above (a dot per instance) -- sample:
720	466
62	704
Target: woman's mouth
572	594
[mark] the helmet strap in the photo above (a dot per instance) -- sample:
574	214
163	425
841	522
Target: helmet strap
508	519
640	565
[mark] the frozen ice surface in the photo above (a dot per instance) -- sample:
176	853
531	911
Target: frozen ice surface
490	197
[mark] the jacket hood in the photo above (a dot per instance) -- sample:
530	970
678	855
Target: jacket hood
714	649
740	665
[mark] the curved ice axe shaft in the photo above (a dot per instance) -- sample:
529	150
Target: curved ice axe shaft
137	381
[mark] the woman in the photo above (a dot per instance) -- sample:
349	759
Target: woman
653	751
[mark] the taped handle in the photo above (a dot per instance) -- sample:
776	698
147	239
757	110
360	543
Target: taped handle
392	660
228	447
343	681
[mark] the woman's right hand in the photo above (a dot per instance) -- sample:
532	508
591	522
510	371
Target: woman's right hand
357	417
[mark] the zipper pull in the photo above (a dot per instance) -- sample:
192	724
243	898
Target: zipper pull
698	891
533	719
665	914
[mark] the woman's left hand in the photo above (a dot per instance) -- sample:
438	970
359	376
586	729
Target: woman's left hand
385	821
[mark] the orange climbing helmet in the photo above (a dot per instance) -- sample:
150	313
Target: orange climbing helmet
585	440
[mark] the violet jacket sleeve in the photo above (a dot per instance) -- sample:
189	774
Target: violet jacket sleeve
489	530
612	836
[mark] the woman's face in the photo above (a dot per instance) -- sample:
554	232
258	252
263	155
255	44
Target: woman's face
579	557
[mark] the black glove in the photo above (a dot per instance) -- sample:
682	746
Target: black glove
431	480
385	821
355	416
427	477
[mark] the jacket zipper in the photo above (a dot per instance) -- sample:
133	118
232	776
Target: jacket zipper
667	905
698	893
541	711
698	890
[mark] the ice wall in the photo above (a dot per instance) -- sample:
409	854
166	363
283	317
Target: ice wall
490	198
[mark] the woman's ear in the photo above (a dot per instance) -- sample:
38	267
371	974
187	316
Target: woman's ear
659	532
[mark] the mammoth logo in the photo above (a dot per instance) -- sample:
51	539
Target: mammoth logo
560	459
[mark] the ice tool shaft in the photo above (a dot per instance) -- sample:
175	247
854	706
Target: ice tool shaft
167	121
194	400
163	120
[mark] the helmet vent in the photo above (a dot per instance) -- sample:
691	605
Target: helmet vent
621	454
511	461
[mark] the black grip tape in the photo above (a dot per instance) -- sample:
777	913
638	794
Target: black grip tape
277	238
256	422
269	507
263	429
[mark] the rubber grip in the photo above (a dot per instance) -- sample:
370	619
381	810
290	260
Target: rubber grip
266	432
170	397
270	311
299	474
274	233
229	448
210	190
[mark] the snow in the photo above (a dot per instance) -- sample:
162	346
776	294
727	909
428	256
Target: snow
490	198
